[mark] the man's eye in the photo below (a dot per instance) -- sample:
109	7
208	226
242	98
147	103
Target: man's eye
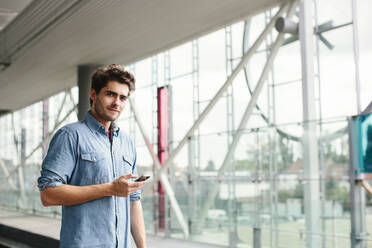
123	98
110	93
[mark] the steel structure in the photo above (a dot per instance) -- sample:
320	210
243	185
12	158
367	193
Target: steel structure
310	145
194	148
192	222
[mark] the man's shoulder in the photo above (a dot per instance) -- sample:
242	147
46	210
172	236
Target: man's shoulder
74	128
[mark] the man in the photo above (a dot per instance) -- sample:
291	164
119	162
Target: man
89	167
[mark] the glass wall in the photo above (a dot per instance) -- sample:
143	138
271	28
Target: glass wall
260	189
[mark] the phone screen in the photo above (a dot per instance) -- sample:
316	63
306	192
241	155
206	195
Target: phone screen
142	178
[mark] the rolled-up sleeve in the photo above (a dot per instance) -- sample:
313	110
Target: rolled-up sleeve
135	196
49	179
59	162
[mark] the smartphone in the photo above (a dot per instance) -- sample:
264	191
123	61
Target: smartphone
142	178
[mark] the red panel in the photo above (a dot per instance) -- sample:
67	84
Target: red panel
163	143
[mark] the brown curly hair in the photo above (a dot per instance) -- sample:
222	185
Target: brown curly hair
113	72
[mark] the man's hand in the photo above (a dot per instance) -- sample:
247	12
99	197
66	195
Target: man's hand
123	187
67	195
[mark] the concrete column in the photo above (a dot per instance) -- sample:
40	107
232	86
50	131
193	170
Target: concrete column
84	77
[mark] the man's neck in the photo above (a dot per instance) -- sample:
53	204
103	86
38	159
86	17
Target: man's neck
104	123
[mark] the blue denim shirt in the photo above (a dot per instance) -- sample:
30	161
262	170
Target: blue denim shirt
82	154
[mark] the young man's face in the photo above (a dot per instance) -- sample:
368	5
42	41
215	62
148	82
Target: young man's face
110	101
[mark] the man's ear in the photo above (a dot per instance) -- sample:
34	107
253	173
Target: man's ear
92	94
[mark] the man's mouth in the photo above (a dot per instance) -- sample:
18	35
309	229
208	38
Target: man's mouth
113	110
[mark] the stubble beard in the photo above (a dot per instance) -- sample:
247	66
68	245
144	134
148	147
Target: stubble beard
100	111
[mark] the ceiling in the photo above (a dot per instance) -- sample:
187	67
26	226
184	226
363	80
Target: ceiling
42	47
9	9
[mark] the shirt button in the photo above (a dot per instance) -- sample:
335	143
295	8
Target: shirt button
94	160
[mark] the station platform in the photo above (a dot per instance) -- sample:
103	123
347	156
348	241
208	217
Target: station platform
46	230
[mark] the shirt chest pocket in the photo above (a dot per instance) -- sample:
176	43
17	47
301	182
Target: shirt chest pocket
93	167
126	164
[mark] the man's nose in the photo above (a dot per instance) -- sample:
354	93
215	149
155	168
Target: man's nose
117	101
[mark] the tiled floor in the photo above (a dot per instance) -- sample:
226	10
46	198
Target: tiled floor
50	227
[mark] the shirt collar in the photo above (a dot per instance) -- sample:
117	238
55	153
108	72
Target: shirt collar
95	125
114	128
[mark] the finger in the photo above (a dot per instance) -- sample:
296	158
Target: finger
136	184
127	176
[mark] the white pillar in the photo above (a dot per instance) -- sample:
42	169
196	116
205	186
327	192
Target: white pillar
309	141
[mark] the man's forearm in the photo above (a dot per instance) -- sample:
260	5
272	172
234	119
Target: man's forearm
70	195
137	224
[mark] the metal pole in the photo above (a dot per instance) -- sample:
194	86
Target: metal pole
230	126
321	148
252	103
191	190
356	52
357	192
258	203
310	145
45	116
256	237
220	92
163	177
21	179
194	147
272	144
169	172
154	91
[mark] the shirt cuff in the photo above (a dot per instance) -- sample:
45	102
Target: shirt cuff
135	196
49	179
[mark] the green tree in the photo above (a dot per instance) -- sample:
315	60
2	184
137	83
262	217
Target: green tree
210	166
337	193
285	152
244	165
284	195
